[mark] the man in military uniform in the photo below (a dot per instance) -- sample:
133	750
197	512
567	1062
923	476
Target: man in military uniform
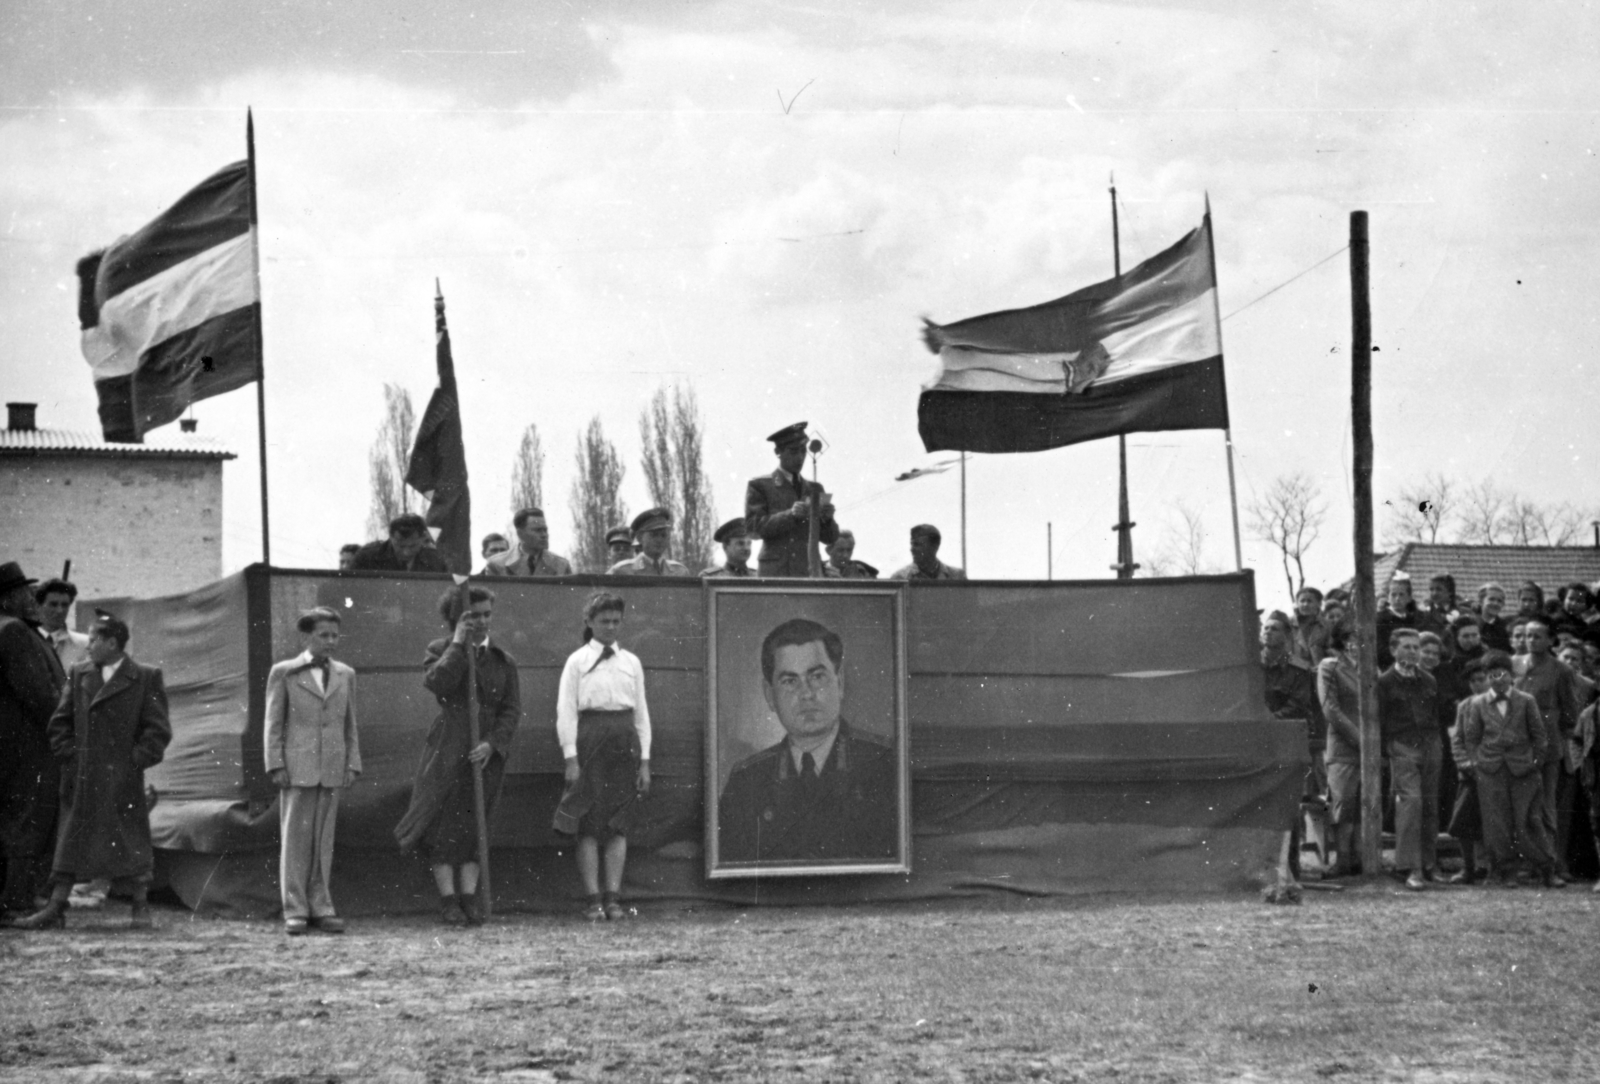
842	562
827	792
531	555
619	545
653	530
406	549
777	507
925	563
735	542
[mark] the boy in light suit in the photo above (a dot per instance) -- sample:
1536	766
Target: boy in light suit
312	754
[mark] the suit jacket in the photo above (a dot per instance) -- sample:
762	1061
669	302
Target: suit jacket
1515	743
31	678
1551	684
106	733
849	812
768	512
310	732
514	562
381	557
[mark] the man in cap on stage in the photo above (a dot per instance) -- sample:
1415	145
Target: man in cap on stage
110	726
619	545
406	549
735	542
653	529
31	677
777	508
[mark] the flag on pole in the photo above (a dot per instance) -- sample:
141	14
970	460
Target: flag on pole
438	467
171	314
1133	354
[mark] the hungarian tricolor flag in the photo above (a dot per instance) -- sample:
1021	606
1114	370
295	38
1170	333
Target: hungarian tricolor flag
438	467
172	314
1137	353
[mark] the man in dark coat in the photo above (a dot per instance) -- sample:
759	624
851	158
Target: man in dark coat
441	820
406	549
826	793
30	688
777	509
841	560
110	726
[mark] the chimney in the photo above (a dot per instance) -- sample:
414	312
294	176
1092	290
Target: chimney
188	425
19	417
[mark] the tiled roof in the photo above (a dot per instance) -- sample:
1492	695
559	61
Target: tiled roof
55	441
1550	567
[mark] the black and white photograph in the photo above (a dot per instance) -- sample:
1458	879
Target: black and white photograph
1053	540
806	731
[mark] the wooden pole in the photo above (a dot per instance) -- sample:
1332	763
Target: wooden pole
261	352
964	512
1366	604
1124	567
1049	551
480	813
1227	434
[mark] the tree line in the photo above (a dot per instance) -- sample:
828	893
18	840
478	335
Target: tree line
672	442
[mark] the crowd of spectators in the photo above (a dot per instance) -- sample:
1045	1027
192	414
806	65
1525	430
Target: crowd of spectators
1487	722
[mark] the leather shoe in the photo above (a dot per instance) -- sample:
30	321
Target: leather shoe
595	913
1415	882
52	917
450	912
328	923
614	911
294	927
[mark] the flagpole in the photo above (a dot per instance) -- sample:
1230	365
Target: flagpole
1124	567
261	354
964	509
1227	433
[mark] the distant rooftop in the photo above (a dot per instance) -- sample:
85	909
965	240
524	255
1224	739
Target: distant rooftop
1473	566
28	442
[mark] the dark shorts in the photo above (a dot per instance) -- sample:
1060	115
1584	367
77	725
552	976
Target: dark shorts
603	802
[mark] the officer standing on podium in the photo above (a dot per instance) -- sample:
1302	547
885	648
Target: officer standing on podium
777	508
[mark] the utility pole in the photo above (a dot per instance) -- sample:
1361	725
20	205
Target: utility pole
1366	602
1125	566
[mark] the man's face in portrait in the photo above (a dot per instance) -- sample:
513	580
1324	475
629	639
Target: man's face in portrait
805	691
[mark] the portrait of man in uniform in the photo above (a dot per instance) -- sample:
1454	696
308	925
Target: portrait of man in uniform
809	771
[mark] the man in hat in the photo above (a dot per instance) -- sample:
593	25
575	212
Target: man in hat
531	555
619	545
110	726
925	563
312	753
842	562
735	542
653	529
405	550
30	688
777	507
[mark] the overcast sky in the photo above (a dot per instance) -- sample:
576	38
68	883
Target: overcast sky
760	202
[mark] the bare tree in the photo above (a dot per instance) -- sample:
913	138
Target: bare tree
527	472
1483	513
595	501
1183	546
1529	523
391	451
1420	511
671	436
1289	515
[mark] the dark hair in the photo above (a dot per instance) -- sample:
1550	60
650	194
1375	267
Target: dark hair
523	516
1308	589
349	547
107	624
1337	594
408	523
1340	635
1446	579
55	587
1430	637
1463	621
1538	592
1541	622
1400	634
928	531
315	616
797	632
599	603
1476	666
492	536
1576	585
1496	660
450	602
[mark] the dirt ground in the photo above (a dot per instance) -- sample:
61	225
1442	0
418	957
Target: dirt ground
1368	984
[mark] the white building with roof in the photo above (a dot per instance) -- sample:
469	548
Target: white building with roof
136	520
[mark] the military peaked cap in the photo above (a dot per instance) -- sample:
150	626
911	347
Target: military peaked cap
789	434
734	528
651	519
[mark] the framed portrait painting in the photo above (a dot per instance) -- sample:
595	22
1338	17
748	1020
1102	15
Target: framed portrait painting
807	770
